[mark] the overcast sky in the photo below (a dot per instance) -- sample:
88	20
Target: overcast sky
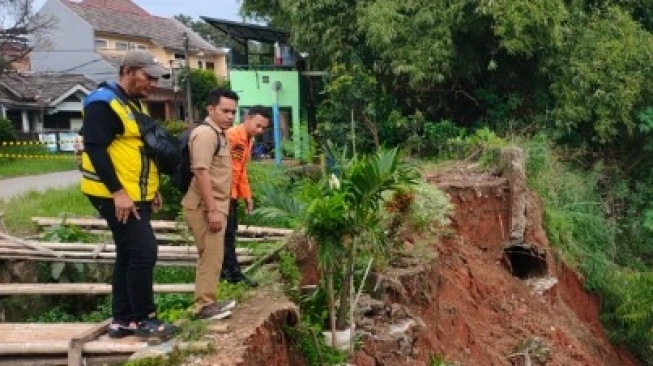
221	9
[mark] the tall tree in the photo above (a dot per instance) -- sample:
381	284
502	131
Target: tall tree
205	30
20	31
604	76
475	61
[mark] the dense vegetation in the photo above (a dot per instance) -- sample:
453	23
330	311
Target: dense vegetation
570	81
573	78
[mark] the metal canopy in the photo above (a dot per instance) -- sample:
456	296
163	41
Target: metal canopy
244	31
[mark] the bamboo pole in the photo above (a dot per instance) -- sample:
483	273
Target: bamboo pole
264	259
32	361
80	289
51	360
76	344
89	254
112	248
29	244
157	225
61	347
189	262
9	253
112	347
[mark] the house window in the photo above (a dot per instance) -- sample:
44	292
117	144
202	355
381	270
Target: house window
141	47
122	46
101	43
200	64
210	65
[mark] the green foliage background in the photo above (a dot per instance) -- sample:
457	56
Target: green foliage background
454	78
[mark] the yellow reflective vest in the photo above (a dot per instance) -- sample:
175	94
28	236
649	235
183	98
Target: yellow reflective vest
137	173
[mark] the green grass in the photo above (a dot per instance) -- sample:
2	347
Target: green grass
21	167
54	202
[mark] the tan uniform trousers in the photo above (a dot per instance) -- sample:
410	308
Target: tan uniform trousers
210	247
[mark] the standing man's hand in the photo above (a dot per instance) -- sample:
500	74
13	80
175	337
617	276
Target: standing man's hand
249	205
214	219
157	204
124	206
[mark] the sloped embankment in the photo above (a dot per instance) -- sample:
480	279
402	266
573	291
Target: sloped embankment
496	294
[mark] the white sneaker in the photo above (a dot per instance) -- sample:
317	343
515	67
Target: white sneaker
227	304
213	312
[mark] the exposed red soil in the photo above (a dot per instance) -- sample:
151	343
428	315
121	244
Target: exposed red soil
253	335
464	304
478	313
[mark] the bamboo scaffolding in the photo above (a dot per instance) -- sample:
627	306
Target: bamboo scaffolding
7	243
80	289
15	248
180	238
157	225
55	347
29	244
166	238
186	262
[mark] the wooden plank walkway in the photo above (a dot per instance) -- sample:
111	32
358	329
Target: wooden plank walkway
77	344
62	344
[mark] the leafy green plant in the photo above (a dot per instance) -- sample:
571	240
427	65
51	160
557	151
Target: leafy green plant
7	131
102	312
482	145
439	360
431	208
307	338
577	224
68	233
202	82
436	136
175	358
172	307
341	213
289	269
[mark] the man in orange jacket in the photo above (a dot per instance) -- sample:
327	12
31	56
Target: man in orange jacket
241	141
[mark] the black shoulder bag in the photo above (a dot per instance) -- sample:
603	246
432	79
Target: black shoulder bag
160	145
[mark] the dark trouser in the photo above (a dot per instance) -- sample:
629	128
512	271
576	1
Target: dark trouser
230	266
136	252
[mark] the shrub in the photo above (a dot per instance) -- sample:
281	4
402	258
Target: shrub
7	132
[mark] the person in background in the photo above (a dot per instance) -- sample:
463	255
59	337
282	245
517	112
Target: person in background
241	141
78	148
122	183
206	204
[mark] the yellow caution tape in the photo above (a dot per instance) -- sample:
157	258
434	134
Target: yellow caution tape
24	143
26	156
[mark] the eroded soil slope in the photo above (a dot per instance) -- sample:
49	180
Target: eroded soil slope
470	304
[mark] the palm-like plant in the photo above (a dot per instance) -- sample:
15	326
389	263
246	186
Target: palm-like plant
339	210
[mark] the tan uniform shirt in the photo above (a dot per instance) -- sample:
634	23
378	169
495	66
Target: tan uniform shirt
201	146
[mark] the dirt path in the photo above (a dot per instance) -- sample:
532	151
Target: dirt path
253	335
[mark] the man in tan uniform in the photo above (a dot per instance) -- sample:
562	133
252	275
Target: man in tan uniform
206	204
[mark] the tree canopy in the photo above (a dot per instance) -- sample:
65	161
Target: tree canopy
584	65
20	31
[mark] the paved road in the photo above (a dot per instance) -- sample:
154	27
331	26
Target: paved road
12	187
